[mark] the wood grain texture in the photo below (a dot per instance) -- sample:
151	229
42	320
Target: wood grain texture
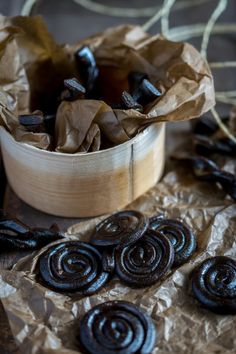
85	185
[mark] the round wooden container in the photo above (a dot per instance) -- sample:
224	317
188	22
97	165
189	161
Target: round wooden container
84	185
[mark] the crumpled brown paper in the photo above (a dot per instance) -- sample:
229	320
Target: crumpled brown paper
46	322
40	65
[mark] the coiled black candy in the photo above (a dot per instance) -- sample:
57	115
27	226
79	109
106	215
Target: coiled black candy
123	228
179	234
145	262
117	327
214	284
73	266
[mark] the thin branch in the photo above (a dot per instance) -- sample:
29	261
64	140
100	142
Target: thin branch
27	7
131	12
167	5
183	33
222	126
223	64
210	24
177	6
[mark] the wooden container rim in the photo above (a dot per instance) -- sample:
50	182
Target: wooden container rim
47	153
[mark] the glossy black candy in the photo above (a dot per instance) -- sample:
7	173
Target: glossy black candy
30	119
227	181
122	228
117	327
73	91
206	146
214	284
145	93
128	102
15	235
206	170
135	78
32	122
145	262
73	266
32	240
179	234
10	223
87	68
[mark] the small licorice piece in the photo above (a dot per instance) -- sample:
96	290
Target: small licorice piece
124	228
206	170
117	327
145	262
30	119
74	86
214	284
227	181
206	146
87	67
145	93
135	78
10	223
179	234
129	103
73	266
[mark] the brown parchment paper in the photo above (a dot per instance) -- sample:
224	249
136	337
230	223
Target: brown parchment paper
38	66
46	322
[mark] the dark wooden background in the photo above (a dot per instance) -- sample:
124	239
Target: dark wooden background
69	23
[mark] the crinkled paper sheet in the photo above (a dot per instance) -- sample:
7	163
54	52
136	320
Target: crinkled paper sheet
33	67
46	322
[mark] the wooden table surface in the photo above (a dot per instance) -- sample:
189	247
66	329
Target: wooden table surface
70	23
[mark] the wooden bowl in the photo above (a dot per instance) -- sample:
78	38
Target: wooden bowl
84	185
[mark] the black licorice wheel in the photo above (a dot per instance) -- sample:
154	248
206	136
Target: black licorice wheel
145	262
117	327
124	228
179	234
73	266
214	284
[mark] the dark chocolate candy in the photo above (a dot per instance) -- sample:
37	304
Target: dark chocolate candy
123	228
73	266
179	234
214	284
117	327
145	262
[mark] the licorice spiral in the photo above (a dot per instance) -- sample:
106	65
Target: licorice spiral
73	266
145	262
117	327
123	228
179	234
214	284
